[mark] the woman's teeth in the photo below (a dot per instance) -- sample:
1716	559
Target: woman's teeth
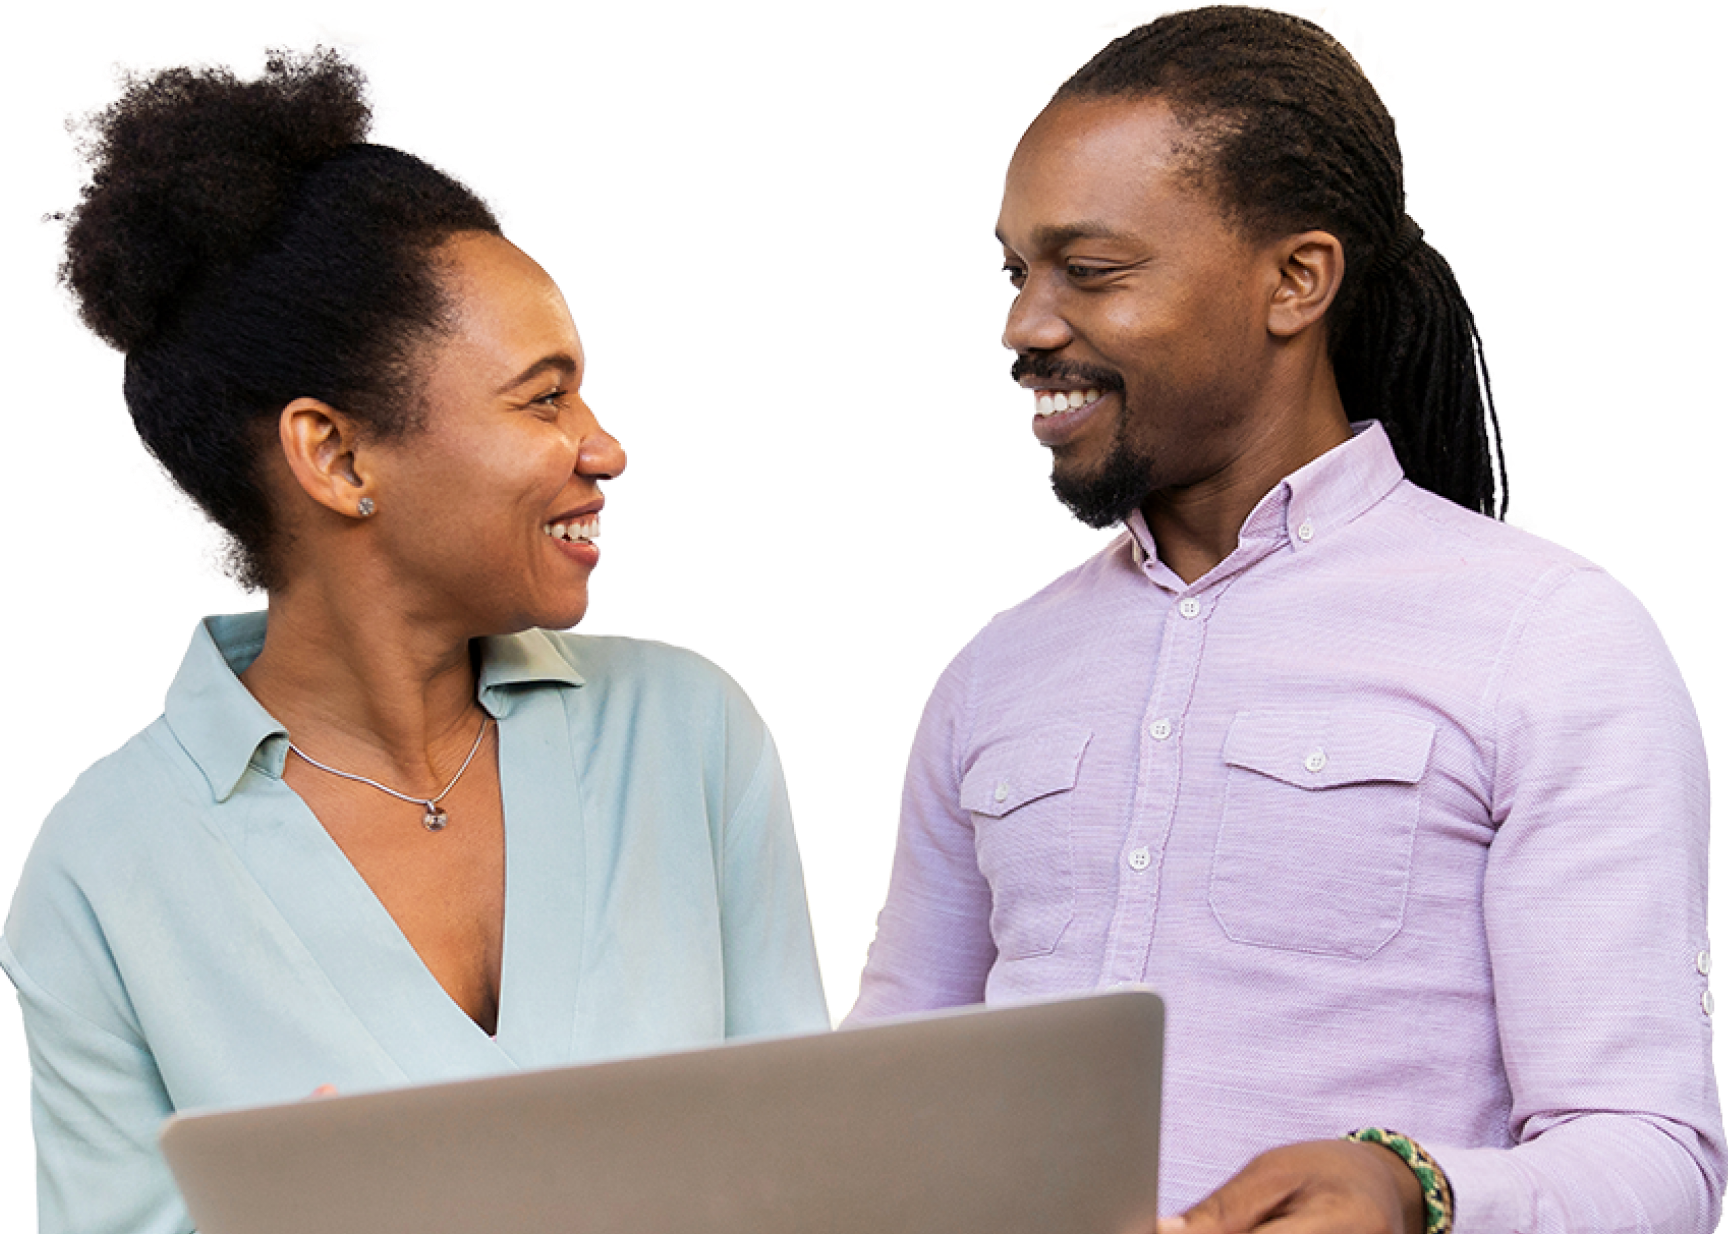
1051	402
581	529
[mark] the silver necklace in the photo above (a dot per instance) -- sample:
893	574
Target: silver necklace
435	818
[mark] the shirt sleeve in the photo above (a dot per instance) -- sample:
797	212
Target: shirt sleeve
1594	906
97	1104
933	945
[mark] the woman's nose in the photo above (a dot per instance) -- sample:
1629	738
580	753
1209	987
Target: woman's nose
602	455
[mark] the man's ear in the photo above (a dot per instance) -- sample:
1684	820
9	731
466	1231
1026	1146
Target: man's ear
1311	269
321	446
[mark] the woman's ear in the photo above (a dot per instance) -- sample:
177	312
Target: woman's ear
321	446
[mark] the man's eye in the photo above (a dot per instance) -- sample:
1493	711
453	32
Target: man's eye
1016	275
1077	273
552	398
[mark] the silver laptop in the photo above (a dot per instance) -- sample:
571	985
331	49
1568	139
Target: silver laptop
1023	1120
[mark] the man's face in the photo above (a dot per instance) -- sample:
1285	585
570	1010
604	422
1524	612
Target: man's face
1140	321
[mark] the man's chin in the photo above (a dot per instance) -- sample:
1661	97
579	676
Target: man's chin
1104	499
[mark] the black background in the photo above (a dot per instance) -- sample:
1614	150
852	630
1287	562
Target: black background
776	237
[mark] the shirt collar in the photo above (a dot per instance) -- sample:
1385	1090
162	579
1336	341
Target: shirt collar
225	730
1305	507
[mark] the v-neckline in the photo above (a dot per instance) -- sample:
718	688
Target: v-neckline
352	939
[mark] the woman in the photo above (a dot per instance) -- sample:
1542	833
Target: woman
299	874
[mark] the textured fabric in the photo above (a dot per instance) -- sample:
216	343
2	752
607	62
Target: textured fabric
1403	812
186	934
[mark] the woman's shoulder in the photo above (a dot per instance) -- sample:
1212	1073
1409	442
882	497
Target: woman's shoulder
611	664
620	653
119	825
114	806
663	704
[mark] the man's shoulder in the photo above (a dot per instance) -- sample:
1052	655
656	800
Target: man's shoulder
1412	544
1501	564
1108	575
1060	629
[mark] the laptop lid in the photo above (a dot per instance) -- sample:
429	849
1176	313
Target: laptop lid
1019	1120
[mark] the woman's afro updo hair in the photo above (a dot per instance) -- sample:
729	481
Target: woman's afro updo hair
245	247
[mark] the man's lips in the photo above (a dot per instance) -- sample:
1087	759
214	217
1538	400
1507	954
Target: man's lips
1051	402
1059	415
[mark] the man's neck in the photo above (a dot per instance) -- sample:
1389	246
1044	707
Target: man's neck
1197	526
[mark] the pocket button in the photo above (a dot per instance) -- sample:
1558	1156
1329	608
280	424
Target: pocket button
1316	761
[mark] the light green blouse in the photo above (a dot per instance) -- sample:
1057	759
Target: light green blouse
186	934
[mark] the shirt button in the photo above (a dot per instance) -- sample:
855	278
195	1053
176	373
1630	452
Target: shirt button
1140	858
1160	730
1704	962
1305	532
1315	761
1190	607
1002	791
1709	1003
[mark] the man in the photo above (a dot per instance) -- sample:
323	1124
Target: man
1403	811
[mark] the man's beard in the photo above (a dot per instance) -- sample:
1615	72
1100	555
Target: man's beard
1111	494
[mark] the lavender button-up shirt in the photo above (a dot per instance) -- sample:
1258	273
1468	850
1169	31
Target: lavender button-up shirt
1403	812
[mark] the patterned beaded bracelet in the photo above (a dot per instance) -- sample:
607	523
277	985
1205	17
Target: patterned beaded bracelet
1436	1187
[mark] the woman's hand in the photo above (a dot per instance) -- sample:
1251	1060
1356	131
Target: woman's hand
1333	1186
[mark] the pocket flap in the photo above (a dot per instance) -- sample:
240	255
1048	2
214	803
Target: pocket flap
1007	774
1324	749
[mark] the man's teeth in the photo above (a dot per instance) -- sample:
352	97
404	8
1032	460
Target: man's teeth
1052	401
582	529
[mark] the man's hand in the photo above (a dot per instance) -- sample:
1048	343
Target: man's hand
1330	1186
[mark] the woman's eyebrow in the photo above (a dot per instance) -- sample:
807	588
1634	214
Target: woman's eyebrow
560	362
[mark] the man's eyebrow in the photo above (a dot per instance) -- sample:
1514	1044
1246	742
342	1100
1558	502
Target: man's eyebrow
1051	237
559	362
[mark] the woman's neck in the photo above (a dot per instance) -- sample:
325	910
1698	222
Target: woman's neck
386	694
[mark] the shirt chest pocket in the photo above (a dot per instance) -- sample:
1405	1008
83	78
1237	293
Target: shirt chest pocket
1318	829
1020	795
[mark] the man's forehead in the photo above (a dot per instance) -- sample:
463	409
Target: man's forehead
1091	169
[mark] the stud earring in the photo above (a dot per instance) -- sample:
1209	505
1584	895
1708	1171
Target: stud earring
367	507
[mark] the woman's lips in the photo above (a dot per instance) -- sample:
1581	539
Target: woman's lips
575	537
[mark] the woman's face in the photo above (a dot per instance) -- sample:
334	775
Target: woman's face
489	509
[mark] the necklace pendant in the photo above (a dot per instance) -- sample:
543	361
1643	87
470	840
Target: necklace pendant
435	818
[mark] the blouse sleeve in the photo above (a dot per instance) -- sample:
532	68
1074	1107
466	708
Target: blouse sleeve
97	1104
773	984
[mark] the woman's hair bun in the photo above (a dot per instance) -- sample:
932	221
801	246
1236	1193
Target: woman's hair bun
191	169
